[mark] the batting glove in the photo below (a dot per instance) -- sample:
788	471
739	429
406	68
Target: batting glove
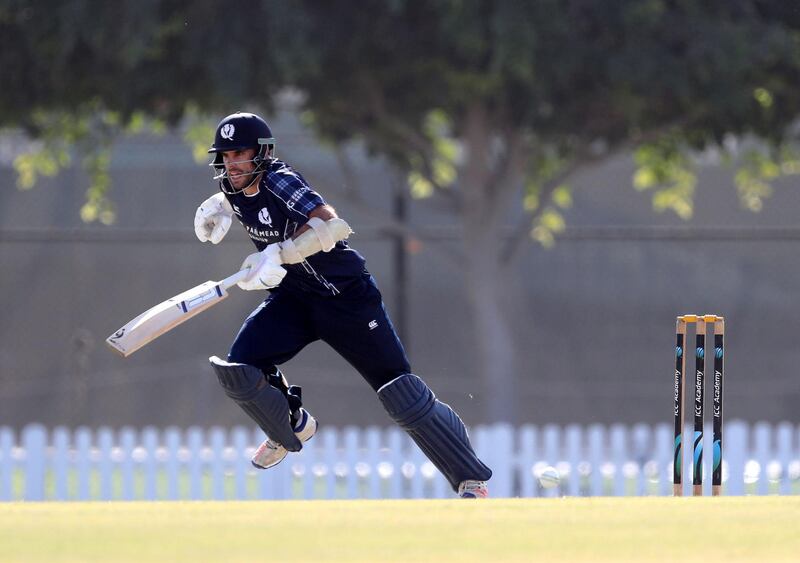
266	271
213	218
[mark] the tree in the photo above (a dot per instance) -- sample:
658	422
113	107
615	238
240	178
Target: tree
496	105
84	72
492	105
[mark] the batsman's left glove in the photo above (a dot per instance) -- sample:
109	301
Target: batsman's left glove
266	271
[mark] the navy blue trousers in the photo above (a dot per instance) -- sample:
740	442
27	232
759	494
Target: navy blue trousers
354	323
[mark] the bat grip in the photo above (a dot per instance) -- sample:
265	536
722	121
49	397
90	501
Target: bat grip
233	279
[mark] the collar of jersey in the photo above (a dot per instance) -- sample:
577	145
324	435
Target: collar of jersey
258	191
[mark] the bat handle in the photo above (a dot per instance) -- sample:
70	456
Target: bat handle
234	278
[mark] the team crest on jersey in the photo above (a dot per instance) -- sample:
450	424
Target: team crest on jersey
264	217
227	131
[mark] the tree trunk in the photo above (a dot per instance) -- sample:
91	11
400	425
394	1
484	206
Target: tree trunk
482	223
494	346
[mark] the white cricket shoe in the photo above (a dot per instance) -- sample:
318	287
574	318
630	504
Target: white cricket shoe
473	489
270	453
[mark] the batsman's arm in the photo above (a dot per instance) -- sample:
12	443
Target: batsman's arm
321	233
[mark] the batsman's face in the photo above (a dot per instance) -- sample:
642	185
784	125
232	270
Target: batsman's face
239	165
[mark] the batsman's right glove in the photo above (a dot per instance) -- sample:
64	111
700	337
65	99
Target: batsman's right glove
213	218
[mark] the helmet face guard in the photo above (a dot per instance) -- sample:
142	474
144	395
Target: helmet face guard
241	131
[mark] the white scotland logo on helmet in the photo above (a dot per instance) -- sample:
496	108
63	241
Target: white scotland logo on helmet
227	131
264	217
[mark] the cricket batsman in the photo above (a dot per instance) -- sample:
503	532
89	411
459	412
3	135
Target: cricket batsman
319	289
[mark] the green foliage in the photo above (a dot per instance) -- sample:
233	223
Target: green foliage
98	207
663	78
665	167
89	132
416	80
198	130
46	159
759	169
546	200
436	168
419	185
85	72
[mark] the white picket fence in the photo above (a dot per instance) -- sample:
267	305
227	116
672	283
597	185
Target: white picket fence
172	464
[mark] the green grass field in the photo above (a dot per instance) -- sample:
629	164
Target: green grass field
569	529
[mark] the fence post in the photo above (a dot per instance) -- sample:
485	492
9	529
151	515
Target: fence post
417	460
528	450
34	438
172	442
502	440
784	451
552	454
763	446
105	465
308	458
373	436
194	439
150	462
352	457
395	438
83	462
619	437
330	459
283	477
573	438
596	459
127	443
6	462
241	465
663	458
735	454
641	452
217	442
60	463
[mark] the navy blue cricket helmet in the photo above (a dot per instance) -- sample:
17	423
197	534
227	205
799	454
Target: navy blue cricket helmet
241	131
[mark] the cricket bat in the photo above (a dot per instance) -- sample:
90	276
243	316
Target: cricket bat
167	315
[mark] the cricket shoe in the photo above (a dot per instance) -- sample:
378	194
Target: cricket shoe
270	453
473	489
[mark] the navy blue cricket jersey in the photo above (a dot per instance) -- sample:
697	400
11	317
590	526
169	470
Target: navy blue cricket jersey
274	214
299	310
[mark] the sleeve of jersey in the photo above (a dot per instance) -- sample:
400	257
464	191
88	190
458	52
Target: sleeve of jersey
292	189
